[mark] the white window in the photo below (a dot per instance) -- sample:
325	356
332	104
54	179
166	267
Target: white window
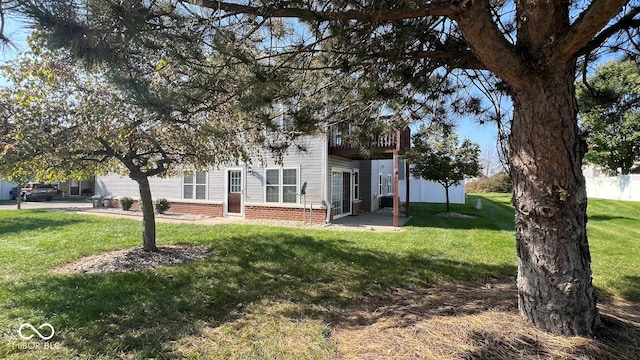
389	184
379	184
235	181
356	185
282	119
194	185
281	185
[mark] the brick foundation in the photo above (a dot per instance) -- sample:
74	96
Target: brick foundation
356	208
197	209
250	211
183	208
283	213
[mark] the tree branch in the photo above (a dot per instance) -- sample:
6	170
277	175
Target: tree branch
488	43
455	59
583	30
279	10
625	22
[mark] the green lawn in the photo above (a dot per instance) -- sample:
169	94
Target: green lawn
260	286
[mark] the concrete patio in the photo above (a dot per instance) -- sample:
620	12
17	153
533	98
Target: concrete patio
381	220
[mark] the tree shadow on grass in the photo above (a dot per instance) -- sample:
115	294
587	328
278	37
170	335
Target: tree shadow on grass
143	312
608	218
494	215
632	288
31	220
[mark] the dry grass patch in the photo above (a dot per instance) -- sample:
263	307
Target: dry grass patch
447	321
475	322
266	330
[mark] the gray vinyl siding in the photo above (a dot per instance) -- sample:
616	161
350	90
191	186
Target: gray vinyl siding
216	187
340	162
310	165
168	188
119	186
310	169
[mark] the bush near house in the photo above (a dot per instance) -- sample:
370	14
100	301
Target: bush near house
126	203
498	183
162	205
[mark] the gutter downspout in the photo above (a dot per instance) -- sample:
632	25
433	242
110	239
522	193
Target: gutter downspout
325	170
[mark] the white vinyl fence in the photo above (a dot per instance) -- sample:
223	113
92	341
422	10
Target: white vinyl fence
621	187
427	191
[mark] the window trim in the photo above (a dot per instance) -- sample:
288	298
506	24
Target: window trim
355	175
282	119
281	184
389	185
380	187
194	185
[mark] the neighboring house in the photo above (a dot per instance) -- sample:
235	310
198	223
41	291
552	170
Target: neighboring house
332	171
70	188
420	190
76	187
5	187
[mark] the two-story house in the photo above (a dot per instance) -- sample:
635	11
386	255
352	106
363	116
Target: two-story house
323	183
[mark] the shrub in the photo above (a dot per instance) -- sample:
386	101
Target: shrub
498	183
162	205
126	203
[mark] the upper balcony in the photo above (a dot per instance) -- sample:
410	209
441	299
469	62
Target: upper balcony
377	147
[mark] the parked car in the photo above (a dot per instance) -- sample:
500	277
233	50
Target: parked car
37	191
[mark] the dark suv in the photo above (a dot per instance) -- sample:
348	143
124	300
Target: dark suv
37	191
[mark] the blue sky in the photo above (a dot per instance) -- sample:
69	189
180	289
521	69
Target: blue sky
484	135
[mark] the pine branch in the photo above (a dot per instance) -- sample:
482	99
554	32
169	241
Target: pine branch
626	22
583	30
280	10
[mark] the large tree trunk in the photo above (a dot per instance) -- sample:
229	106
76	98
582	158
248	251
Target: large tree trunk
555	291
148	216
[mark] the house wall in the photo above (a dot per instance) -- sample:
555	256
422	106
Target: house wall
365	185
309	163
84	184
318	213
384	167
310	170
5	187
338	162
420	190
208	209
